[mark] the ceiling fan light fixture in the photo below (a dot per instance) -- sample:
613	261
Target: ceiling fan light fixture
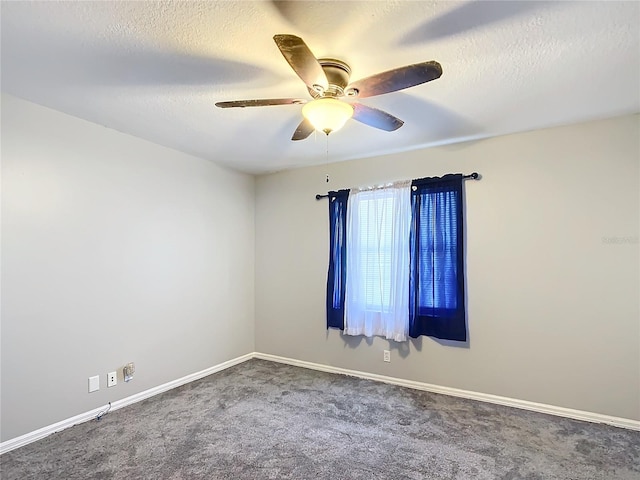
327	114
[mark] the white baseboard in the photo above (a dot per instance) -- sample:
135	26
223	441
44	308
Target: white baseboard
455	392
30	437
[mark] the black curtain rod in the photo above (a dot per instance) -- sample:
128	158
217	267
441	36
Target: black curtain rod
473	176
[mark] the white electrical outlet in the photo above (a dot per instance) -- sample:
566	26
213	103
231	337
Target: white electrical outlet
112	379
94	383
387	356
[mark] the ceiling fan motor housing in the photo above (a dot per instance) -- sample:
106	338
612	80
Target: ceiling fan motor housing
338	74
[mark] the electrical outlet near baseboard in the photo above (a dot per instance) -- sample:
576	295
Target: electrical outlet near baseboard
112	379
386	356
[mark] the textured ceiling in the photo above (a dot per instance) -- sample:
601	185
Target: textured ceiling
155	69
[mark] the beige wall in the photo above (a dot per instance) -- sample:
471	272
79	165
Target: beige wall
553	305
113	250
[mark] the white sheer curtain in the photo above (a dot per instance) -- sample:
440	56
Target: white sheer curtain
377	289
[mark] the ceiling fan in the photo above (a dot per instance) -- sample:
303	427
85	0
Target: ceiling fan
327	80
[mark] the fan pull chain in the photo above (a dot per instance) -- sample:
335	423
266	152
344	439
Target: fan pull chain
327	158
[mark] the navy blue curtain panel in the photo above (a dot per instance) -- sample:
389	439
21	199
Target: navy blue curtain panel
436	276
337	276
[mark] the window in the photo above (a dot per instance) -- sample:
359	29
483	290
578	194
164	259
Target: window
377	283
375	229
396	260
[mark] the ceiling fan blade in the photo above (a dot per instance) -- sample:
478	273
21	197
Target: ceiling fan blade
302	60
261	103
396	79
303	131
376	118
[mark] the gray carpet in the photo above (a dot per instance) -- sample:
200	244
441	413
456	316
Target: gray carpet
263	420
